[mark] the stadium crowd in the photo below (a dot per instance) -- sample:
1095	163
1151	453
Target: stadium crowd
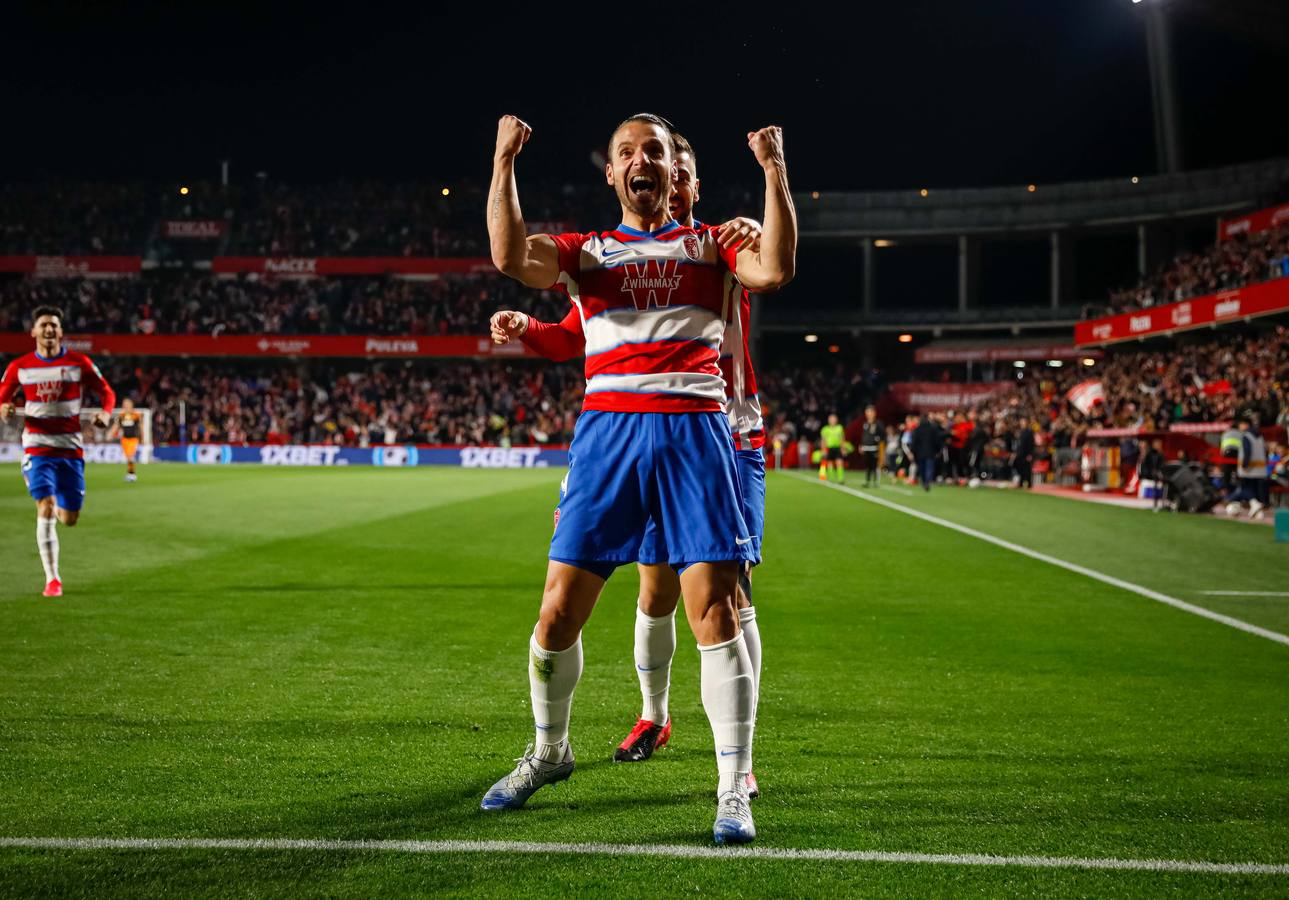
356	404
1247	259
204	304
272	218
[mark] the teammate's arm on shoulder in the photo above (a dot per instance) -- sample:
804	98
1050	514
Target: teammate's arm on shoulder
537	266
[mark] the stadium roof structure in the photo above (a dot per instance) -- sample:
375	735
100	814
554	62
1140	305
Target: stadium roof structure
1117	202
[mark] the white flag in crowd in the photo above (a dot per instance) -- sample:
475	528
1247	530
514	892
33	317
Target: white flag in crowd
1085	395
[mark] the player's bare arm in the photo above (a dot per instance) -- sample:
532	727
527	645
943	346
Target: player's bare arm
774	263
531	260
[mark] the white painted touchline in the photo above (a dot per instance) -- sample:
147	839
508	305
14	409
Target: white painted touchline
1246	593
673	851
1052	560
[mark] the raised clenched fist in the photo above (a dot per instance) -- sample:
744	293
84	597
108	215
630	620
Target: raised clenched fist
512	134
767	145
507	325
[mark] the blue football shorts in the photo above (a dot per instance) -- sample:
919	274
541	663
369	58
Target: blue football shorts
669	476
64	479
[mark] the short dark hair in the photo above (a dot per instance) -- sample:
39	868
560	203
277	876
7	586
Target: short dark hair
652	119
45	311
683	146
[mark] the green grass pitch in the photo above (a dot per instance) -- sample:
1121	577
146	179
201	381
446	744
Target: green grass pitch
340	654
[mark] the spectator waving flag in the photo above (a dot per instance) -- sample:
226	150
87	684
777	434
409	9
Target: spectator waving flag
1085	395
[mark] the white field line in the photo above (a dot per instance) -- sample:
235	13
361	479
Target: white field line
672	851
899	490
1052	560
1246	593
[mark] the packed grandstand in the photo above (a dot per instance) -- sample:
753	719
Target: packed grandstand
385	292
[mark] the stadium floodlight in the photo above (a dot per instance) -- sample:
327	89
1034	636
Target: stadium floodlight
1055	363
883	242
812	338
814	195
184	191
1089	361
924	192
446	191
906	339
1020	364
1031	188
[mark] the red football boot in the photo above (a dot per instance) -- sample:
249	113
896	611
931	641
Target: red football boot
54	588
643	740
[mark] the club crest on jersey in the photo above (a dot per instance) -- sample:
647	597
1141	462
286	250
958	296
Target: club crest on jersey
651	283
691	247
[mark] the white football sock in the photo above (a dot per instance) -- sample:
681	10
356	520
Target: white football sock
655	646
729	695
752	637
47	542
552	676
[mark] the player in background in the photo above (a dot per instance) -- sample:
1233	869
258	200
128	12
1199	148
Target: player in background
126	427
655	630
651	447
832	436
53	382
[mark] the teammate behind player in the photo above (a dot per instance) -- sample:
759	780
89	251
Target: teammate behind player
126	428
652	445
655	631
53	381
832	436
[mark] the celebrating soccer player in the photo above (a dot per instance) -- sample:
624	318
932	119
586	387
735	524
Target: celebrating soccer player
53	380
651	448
655	630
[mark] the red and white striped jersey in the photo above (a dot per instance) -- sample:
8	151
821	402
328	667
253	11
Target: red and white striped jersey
742	404
653	308
53	389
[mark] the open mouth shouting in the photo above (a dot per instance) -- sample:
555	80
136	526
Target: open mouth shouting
642	188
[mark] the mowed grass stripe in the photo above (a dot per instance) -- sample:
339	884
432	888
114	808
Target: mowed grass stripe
1111	580
673	851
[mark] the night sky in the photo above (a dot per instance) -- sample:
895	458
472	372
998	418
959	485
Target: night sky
885	96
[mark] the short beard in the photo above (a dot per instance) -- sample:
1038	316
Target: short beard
629	201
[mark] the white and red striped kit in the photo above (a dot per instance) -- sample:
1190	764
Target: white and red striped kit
53	389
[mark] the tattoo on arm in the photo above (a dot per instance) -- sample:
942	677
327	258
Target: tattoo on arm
496	205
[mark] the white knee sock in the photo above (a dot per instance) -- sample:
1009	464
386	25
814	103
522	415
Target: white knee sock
729	696
655	646
552	676
752	637
47	542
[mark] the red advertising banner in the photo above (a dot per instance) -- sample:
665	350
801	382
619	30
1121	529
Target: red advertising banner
933	354
197	230
274	345
936	396
311	267
1228	306
72	266
1253	223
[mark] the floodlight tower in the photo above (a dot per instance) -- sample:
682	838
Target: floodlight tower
1168	146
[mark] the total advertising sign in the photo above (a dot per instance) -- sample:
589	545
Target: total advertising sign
194	229
352	346
390	455
1263	299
